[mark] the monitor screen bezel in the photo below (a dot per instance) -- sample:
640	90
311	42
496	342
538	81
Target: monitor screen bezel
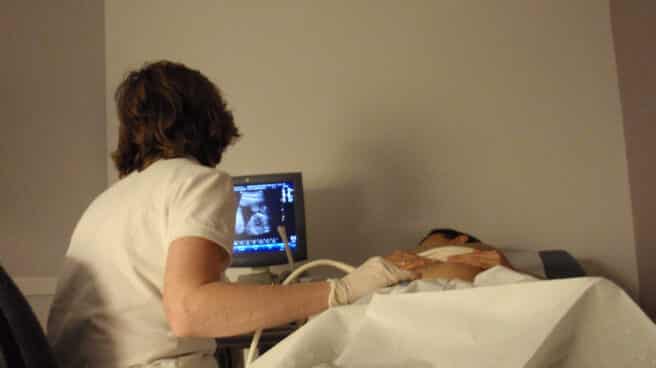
299	253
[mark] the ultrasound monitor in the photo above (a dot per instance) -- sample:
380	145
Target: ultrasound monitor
265	202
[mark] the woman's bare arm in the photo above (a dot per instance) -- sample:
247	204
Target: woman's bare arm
198	304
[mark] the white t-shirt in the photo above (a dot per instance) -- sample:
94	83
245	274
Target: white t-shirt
108	309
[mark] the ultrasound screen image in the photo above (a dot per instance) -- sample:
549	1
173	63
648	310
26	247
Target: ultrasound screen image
261	208
253	215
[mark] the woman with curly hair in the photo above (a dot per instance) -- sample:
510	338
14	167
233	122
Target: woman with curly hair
143	279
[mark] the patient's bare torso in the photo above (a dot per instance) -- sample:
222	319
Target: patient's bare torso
449	271
431	269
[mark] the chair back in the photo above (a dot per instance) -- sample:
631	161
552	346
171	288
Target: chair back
23	343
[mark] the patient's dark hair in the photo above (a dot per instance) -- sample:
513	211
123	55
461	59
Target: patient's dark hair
168	110
451	234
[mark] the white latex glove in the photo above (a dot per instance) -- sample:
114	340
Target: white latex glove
373	274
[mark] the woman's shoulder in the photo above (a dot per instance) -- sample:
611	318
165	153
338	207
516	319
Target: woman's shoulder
187	177
184	168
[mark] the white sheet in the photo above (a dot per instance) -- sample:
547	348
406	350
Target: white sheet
443	253
582	322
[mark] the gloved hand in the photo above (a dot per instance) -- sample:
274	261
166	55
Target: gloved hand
375	273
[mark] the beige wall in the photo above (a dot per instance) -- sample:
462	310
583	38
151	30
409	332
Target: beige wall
500	118
634	29
53	127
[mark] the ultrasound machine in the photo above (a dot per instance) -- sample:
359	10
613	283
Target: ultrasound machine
270	212
270	238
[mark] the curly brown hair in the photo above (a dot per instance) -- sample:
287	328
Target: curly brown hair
168	110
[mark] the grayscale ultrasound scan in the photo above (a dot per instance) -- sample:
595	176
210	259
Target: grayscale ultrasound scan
253	217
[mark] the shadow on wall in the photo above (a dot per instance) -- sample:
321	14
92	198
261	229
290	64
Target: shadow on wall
375	202
334	224
595	269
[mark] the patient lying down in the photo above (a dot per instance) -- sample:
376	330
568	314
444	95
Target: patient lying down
449	254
